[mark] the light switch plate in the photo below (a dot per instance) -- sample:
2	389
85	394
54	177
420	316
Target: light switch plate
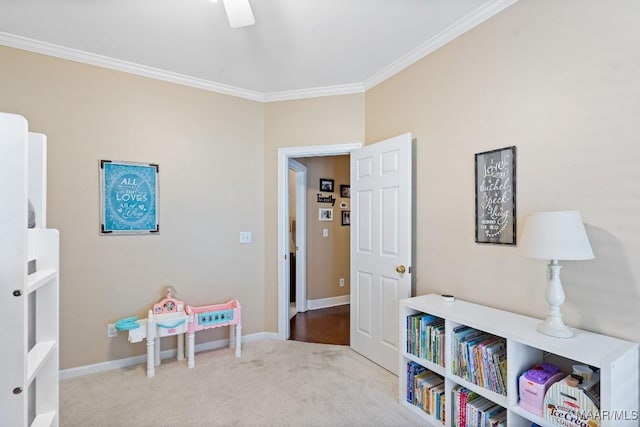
245	237
325	232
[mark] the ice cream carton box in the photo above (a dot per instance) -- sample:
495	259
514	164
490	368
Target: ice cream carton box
572	404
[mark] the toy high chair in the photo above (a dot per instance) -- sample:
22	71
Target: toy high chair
167	318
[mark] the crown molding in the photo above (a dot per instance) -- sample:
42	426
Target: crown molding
460	27
76	55
289	95
465	24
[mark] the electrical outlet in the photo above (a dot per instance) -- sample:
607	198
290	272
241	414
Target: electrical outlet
111	330
341	281
245	237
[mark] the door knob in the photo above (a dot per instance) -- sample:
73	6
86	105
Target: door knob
401	269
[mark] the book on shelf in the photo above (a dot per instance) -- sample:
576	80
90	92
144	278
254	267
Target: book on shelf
484	412
471	409
493	412
476	408
482	365
493	373
413	369
472	366
437	397
461	396
425	335
421	385
499	419
425	389
461	334
479	357
500	366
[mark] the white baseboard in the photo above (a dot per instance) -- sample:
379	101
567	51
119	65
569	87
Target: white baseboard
165	354
316	304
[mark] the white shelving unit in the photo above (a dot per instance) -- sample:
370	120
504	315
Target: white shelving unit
617	360
29	362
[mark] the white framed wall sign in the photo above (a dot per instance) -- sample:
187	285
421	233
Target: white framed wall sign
128	198
325	214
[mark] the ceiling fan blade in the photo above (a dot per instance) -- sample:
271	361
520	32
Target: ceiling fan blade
239	13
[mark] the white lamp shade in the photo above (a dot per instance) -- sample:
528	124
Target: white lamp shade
558	235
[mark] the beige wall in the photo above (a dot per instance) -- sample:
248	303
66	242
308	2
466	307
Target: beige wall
561	81
557	79
328	258
315	121
210	151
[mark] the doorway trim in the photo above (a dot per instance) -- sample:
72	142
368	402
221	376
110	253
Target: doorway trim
284	154
301	234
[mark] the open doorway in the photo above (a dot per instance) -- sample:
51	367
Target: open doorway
284	155
323	316
326	326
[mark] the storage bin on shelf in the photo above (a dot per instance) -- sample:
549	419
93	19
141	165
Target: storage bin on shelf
533	385
570	403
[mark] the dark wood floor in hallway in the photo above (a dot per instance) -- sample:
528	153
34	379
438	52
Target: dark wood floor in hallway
326	326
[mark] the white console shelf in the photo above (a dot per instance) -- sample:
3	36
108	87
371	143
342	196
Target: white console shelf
617	359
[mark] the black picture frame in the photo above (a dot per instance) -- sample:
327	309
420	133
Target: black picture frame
346	218
345	191
326	185
495	177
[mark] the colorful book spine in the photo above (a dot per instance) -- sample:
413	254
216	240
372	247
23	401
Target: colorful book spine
425	389
425	334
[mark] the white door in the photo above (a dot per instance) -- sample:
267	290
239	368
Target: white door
380	246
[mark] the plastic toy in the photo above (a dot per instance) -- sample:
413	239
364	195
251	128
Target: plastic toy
534	383
214	316
127	323
168	318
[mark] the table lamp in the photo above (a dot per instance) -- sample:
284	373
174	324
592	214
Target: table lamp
555	235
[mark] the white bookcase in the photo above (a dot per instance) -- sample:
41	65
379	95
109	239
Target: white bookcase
617	360
29	361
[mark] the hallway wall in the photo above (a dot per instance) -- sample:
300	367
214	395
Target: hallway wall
307	122
328	258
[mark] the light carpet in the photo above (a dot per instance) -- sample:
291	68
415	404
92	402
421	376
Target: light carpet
274	383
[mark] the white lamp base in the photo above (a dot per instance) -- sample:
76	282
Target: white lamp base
553	324
555	327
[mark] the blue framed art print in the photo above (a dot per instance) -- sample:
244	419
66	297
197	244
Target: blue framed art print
128	197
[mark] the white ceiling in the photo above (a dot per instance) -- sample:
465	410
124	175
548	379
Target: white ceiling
297	48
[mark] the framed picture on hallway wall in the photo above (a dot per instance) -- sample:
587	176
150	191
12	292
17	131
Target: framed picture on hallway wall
325	214
346	217
345	191
326	184
496	196
128	198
